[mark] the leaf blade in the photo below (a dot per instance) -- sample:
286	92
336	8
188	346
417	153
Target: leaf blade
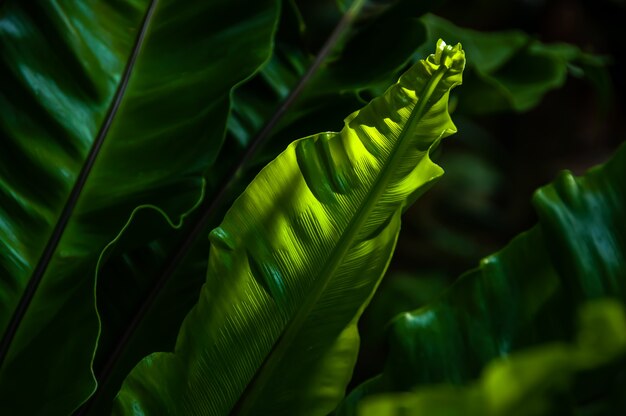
319	209
69	60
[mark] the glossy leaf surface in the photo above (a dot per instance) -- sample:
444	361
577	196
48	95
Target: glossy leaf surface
296	258
527	294
90	88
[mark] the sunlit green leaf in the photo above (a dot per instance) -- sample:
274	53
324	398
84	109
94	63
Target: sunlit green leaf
297	257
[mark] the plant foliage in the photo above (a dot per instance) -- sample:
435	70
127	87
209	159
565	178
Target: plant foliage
526	295
129	127
89	126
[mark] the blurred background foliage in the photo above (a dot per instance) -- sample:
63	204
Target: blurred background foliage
543	91
531	382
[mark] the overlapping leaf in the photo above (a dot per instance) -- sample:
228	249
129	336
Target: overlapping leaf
296	258
105	106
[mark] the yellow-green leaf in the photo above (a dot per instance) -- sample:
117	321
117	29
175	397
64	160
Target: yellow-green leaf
296	259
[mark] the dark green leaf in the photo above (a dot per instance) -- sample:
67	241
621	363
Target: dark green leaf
105	106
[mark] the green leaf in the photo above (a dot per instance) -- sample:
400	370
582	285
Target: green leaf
104	107
297	257
162	277
584	228
510	70
526	383
524	295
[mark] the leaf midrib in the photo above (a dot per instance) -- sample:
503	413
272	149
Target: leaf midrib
72	200
246	404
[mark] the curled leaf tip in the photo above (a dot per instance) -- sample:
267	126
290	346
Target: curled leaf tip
452	57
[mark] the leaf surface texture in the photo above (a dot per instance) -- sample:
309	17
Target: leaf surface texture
296	258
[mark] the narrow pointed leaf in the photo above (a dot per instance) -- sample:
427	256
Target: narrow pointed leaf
296	258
